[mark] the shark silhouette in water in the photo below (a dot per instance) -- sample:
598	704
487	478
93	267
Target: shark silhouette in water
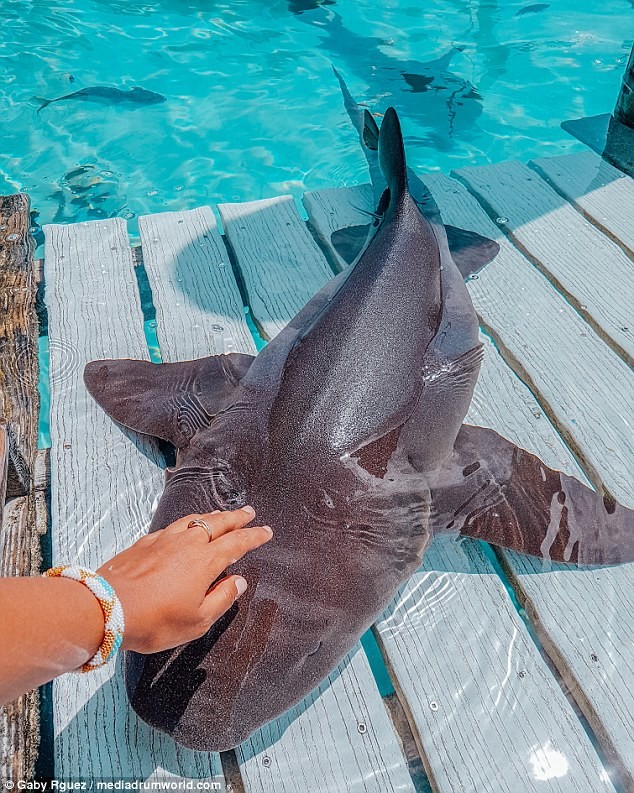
427	92
104	95
346	434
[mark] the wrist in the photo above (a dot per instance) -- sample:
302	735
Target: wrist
108	603
82	609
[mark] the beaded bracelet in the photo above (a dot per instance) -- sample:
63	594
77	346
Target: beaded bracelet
110	605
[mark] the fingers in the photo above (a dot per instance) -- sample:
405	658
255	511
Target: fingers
220	598
233	546
219	522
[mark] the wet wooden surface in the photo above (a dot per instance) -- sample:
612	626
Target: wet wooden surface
492	695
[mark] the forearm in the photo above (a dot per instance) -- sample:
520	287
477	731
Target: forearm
48	626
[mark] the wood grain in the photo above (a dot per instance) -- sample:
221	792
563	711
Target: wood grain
583	386
198	305
483	706
602	193
593	272
339	738
4	464
272	253
104	486
19	403
587	390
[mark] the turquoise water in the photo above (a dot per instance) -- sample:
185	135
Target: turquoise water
251	106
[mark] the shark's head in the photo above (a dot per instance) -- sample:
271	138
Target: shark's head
145	97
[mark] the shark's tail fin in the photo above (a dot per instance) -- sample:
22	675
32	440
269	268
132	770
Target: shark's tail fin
43	102
392	154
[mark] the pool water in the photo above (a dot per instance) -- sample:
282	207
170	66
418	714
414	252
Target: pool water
242	102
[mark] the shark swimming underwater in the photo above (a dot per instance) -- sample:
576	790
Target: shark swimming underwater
105	95
346	434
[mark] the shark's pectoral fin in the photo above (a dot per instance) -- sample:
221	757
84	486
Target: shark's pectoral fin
492	490
171	401
469	250
349	242
419	83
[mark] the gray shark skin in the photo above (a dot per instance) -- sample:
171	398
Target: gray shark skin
104	95
345	433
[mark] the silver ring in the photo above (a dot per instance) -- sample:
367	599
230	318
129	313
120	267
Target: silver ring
203	525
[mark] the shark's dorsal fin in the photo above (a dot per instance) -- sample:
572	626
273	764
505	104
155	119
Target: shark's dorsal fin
470	251
392	154
171	401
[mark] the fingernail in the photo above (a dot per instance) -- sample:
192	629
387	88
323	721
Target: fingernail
249	510
268	529
215	512
241	586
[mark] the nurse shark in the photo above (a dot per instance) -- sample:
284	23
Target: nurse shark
346	434
438	99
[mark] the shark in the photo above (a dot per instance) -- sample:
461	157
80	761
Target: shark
106	95
346	433
438	99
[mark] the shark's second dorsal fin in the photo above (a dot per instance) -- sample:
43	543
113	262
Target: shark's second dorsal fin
392	154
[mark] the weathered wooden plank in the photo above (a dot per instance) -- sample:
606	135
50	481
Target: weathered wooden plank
339	738
4	463
581	616
329	210
560	627
485	710
586	389
602	193
19	402
104	483
25	522
198	304
275	244
592	271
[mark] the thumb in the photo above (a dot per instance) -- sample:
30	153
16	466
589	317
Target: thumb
221	597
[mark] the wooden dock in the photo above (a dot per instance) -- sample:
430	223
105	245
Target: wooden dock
507	675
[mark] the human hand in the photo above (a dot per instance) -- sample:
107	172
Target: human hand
163	579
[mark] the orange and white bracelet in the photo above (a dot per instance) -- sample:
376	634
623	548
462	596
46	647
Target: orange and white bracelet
114	623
